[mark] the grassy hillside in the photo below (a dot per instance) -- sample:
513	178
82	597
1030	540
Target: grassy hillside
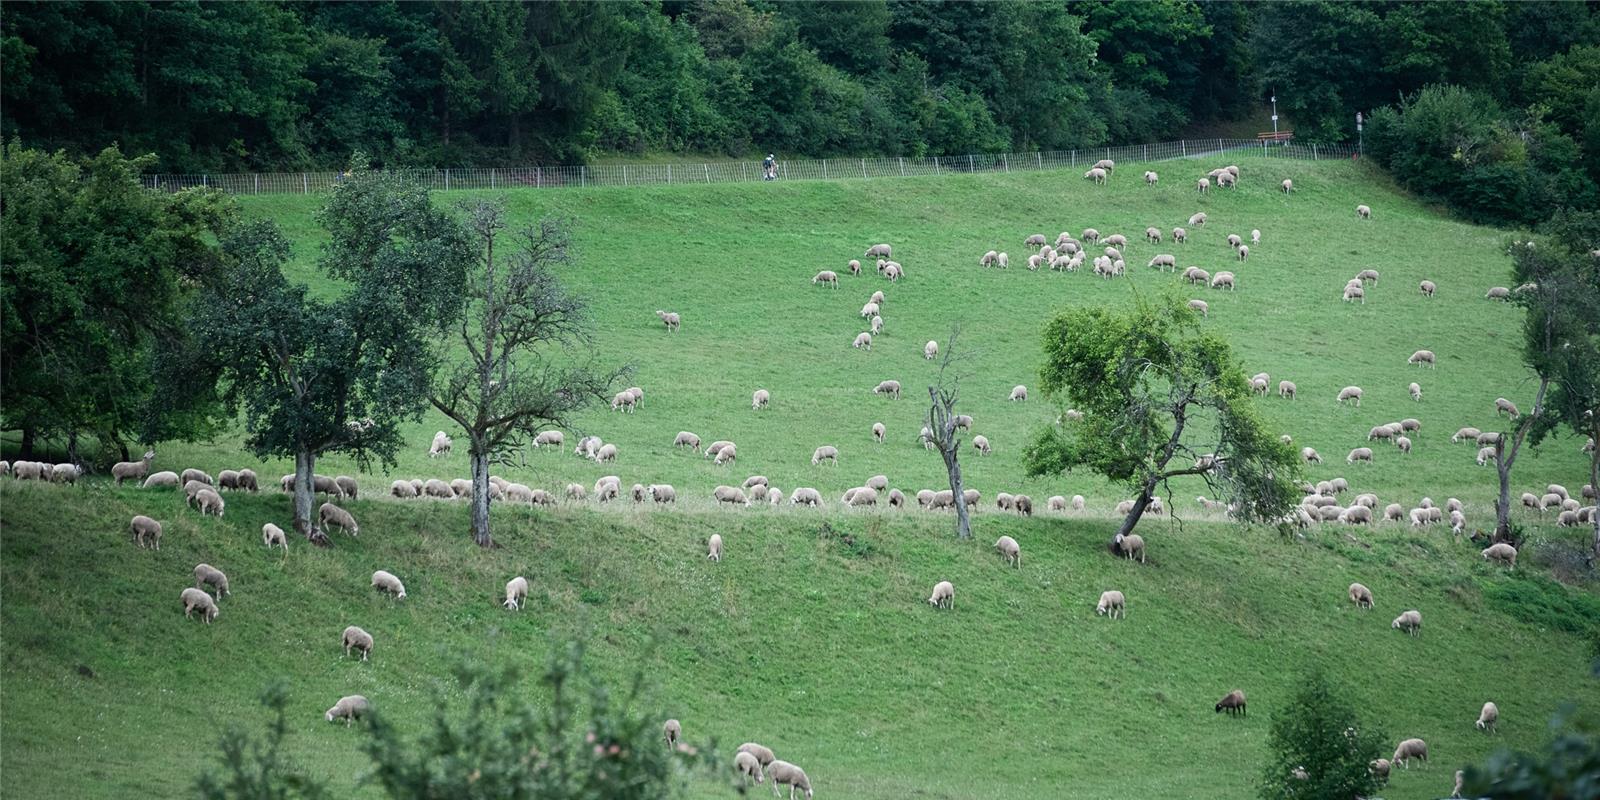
825	651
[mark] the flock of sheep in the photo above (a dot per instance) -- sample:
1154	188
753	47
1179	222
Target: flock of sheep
1066	253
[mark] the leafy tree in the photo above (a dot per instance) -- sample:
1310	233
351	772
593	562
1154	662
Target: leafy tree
1160	399
314	375
852	35
518	321
1319	733
1568	769
1319	57
945	434
258	770
96	272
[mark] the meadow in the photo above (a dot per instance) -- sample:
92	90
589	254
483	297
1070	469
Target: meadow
823	650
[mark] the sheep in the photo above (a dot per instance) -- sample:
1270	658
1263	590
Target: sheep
730	495
854	266
1203	186
1499	293
1380	432
606	453
1485	455
1223	279
1422	357
1568	518
782	772
1409	749
1106	164
1023	505
1018	393
944	595
1465	435
1394	512
1180	236
623	401
1255	237
1356	515
1557	489
1097	175
1201	306
1403	443
863	341
860	496
1487	438
826	452
387	582
1130	545
1009	550
331	515
349	708
1287	186
608	488
135	470
1352	393
205	574
869	310
714	548
1234	241
1034	240
347	486
889	389
1152	235
1164	261
1226	179
210	502
878	251
1259	386
981	444
747	765
355	638
1354	293
897	498
1379	769
726	455
192	599
669	319
1002	261
827	276
1427	288
551	438
878	432
1504	406
196	475
1361	596
988	259
1077	502
145	529
441	445
1488	716
1363	212
805	496
1150	178
1233	703
1410	622
1501	552
1359	454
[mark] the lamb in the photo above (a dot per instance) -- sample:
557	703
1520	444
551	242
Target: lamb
1233	703
1018	392
1409	749
1129	546
1180	236
826	452
192	599
1503	553
782	772
207	575
135	470
889	389
1360	595
827	276
1363	212
854	266
726	455
1427	288
387	582
1201	306
210	502
349	708
355	638
551	438
1203	186
747	765
730	495
1504	406
1009	550
145	529
863	341
441	445
944	595
1112	605
714	548
1499	293
606	453
1359	454
981	444
669	319
1097	175
1352	393
1411	623
1488	716
331	515
1223	279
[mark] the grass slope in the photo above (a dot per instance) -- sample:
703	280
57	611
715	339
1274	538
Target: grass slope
824	653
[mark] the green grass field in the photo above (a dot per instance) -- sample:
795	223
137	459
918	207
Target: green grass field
826	653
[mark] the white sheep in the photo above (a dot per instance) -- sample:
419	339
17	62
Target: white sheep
516	593
1222	279
1488	716
890	389
134	470
1255	237
1204	186
669	319
854	266
606	453
1097	175
944	595
1359	454
1361	596
273	535
981	444
441	445
1164	261
192	599
331	515
1403	442
1422	357
207	575
1351	393
1287	185
826	452
349	708
145	530
1501	552
1416	391
827	276
551	438
1504	406
1130	545
1180	236
730	495
1106	164
1150	178
1112	605
210	502
662	493
1427	288
782	772
1354	293
1018	392
1499	293
726	455
878	251
1009	550
387	582
749	766
1363	212
355	638
863	341
878	432
1410	622
1409	749
686	439
714	547
930	350
1201	306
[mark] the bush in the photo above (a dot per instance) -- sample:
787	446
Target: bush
1319	732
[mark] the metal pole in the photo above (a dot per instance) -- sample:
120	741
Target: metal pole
305	184
1274	112
824	169
902	166
936	165
863	168
624	174
708	172
1007	160
669	173
971	166
1040	158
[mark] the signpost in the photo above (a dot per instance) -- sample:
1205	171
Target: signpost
1359	120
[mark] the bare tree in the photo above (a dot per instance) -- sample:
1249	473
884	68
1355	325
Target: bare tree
521	331
942	397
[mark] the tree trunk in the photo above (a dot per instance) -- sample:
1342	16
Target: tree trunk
1594	483
963	521
72	447
480	497
1503	462
27	443
1133	517
305	498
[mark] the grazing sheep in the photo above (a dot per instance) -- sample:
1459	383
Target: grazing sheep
930	350
1409	749
347	486
1488	717
349	709
1106	164
1359	454
196	475
1035	240
1197	276
749	766
1360	595
726	455
1233	703
878	432
1503	553
1367	276
1180	236
1356	515
1353	293
805	496
1150	178
1002	261
134	470
1008	549
1097	175
1056	503
1363	212
331	515
981	444
1223	279
205	574
606	453
1130	546
145	530
863	341
860	496
441	445
1427	288
1018	392
826	452
355	638
192	488
1488	438
1234	241
1112	605
890	389
1077	502
669	319
1422	357
1255	237
1394	512
1380	432
1152	235
1352	393
1504	406
387	582
1410	622
826	276
402	490
1499	293
897	498
878	251
869	310
1287	185
1164	261
1287	390
1415	391
989	258
730	495
1204	186
854	266
1467	434
247	480
192	599
714	548
944	595
661	493
210	502
1259	386
551	438
1403	442
1201	306
1485	455
782	772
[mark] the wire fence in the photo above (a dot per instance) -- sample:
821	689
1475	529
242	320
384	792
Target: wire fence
825	169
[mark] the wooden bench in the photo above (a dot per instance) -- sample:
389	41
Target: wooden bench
1275	136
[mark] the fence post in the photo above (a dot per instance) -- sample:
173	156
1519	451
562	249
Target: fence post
1313	151
305	184
1006	159
1147	152
744	169
936	165
786	170
1263	147
1183	147
258	183
1074	159
624	174
863	168
824	169
971	165
902	166
669	173
1040	157
447	180
707	168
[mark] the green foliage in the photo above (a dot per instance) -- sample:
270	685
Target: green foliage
1568	768
1541	601
1318	731
260	770
97	271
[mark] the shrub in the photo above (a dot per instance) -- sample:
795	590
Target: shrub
1319	732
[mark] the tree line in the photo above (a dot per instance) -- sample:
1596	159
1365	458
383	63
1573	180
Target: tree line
285	86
